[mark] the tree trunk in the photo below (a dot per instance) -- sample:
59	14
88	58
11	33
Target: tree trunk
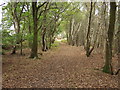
108	54
17	30
16	21
35	36
69	35
44	42
21	51
14	50
88	33
29	29
44	47
118	36
50	42
118	33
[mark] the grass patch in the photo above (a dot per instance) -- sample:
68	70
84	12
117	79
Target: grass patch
64	41
55	44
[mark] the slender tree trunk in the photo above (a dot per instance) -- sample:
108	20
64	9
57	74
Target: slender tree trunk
35	36
108	54
88	33
44	47
21	51
72	32
29	28
69	35
50	42
77	40
44	42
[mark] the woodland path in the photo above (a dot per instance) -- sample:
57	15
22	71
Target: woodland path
66	66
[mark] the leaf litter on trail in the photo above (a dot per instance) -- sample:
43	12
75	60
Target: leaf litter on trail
65	67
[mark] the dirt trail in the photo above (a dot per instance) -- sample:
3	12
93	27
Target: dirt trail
66	66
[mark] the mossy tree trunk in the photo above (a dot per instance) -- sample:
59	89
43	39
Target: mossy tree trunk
35	9
108	53
34	45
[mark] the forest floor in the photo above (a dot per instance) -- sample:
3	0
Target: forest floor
65	66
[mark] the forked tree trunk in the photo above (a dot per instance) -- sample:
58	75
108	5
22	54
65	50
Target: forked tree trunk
108	53
16	21
17	30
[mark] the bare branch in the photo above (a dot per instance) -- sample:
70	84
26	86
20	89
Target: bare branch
41	5
22	11
2	4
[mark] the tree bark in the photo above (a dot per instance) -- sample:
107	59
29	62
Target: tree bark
21	51
88	33
69	35
108	54
44	46
44	41
118	36
35	37
118	33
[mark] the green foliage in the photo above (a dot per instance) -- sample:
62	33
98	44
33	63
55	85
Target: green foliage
29	37
64	41
8	39
55	44
62	27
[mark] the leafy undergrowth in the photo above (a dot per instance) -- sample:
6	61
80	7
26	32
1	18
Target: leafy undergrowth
65	67
55	44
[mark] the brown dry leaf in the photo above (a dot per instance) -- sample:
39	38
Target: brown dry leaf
65	67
